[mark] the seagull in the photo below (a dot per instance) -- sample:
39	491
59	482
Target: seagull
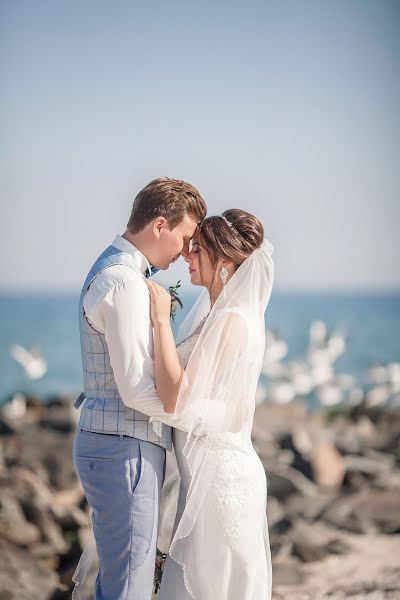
275	348
16	408
31	361
281	393
318	333
378	395
329	394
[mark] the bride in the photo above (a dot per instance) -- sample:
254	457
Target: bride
207	384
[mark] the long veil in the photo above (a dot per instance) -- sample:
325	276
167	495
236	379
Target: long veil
215	406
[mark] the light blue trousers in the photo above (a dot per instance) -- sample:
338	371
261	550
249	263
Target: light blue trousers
122	478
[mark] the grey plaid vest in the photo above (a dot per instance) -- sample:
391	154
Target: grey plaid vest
104	410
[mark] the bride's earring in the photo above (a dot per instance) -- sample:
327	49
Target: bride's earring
224	275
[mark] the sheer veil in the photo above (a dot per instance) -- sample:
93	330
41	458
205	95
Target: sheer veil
215	407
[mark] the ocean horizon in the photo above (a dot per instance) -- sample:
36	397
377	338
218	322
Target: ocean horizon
49	321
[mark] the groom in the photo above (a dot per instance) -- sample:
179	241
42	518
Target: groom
119	455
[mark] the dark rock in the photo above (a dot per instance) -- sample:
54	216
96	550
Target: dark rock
337	546
23	577
59	422
314	542
6	428
70	518
59	401
279	486
280	527
283	480
50	531
59	416
310	508
48	453
288	573
14	526
367	511
367	466
275	511
63	592
35	500
300	463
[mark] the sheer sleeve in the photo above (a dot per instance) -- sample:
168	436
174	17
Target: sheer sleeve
212	396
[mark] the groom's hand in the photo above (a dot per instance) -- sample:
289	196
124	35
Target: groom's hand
160	304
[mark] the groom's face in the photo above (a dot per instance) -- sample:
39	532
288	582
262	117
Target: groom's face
174	243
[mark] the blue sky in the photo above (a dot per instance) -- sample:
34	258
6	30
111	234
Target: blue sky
287	109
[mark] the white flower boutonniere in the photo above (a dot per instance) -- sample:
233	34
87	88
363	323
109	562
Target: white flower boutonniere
176	301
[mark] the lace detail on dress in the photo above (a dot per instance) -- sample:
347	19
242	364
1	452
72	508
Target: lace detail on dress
230	492
185	348
230	460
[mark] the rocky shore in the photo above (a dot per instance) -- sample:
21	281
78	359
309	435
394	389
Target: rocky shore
333	509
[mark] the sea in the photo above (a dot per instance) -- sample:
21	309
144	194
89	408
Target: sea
371	323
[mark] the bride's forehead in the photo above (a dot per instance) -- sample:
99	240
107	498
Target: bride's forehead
195	245
197	236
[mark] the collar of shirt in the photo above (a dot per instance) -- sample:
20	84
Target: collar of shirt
140	260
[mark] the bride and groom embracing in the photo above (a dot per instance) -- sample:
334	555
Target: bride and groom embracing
145	394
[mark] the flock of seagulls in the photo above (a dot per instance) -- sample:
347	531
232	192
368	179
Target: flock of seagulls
314	375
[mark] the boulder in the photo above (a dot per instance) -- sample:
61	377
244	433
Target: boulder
46	452
23	576
310	508
14	527
314	542
367	511
328	466
287	572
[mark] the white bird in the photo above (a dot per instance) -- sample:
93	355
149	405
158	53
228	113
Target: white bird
344	381
275	347
274	370
31	361
329	394
356	396
16	408
322	374
281	393
322	347
378	373
318	333
336	345
378	395
394	376
303	384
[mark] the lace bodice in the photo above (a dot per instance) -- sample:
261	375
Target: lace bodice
185	348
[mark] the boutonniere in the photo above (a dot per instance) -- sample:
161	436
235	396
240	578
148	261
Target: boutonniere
176	301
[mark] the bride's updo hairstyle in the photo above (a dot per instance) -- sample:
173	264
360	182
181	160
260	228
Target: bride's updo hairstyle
232	236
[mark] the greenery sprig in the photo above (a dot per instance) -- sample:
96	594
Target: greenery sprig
176	301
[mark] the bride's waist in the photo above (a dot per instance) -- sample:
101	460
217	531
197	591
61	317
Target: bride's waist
237	441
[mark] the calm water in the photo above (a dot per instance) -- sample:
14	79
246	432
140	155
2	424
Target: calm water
372	323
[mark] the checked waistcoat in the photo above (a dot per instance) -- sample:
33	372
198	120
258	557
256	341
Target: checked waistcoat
103	410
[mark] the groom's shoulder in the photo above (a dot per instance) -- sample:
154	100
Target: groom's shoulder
115	276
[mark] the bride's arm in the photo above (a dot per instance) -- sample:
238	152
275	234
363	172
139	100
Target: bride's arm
168	372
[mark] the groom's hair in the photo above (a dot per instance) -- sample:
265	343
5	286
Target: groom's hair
168	198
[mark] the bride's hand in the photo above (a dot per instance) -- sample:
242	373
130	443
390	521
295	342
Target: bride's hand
160	304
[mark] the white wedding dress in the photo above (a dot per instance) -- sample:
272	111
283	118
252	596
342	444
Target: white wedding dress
236	509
